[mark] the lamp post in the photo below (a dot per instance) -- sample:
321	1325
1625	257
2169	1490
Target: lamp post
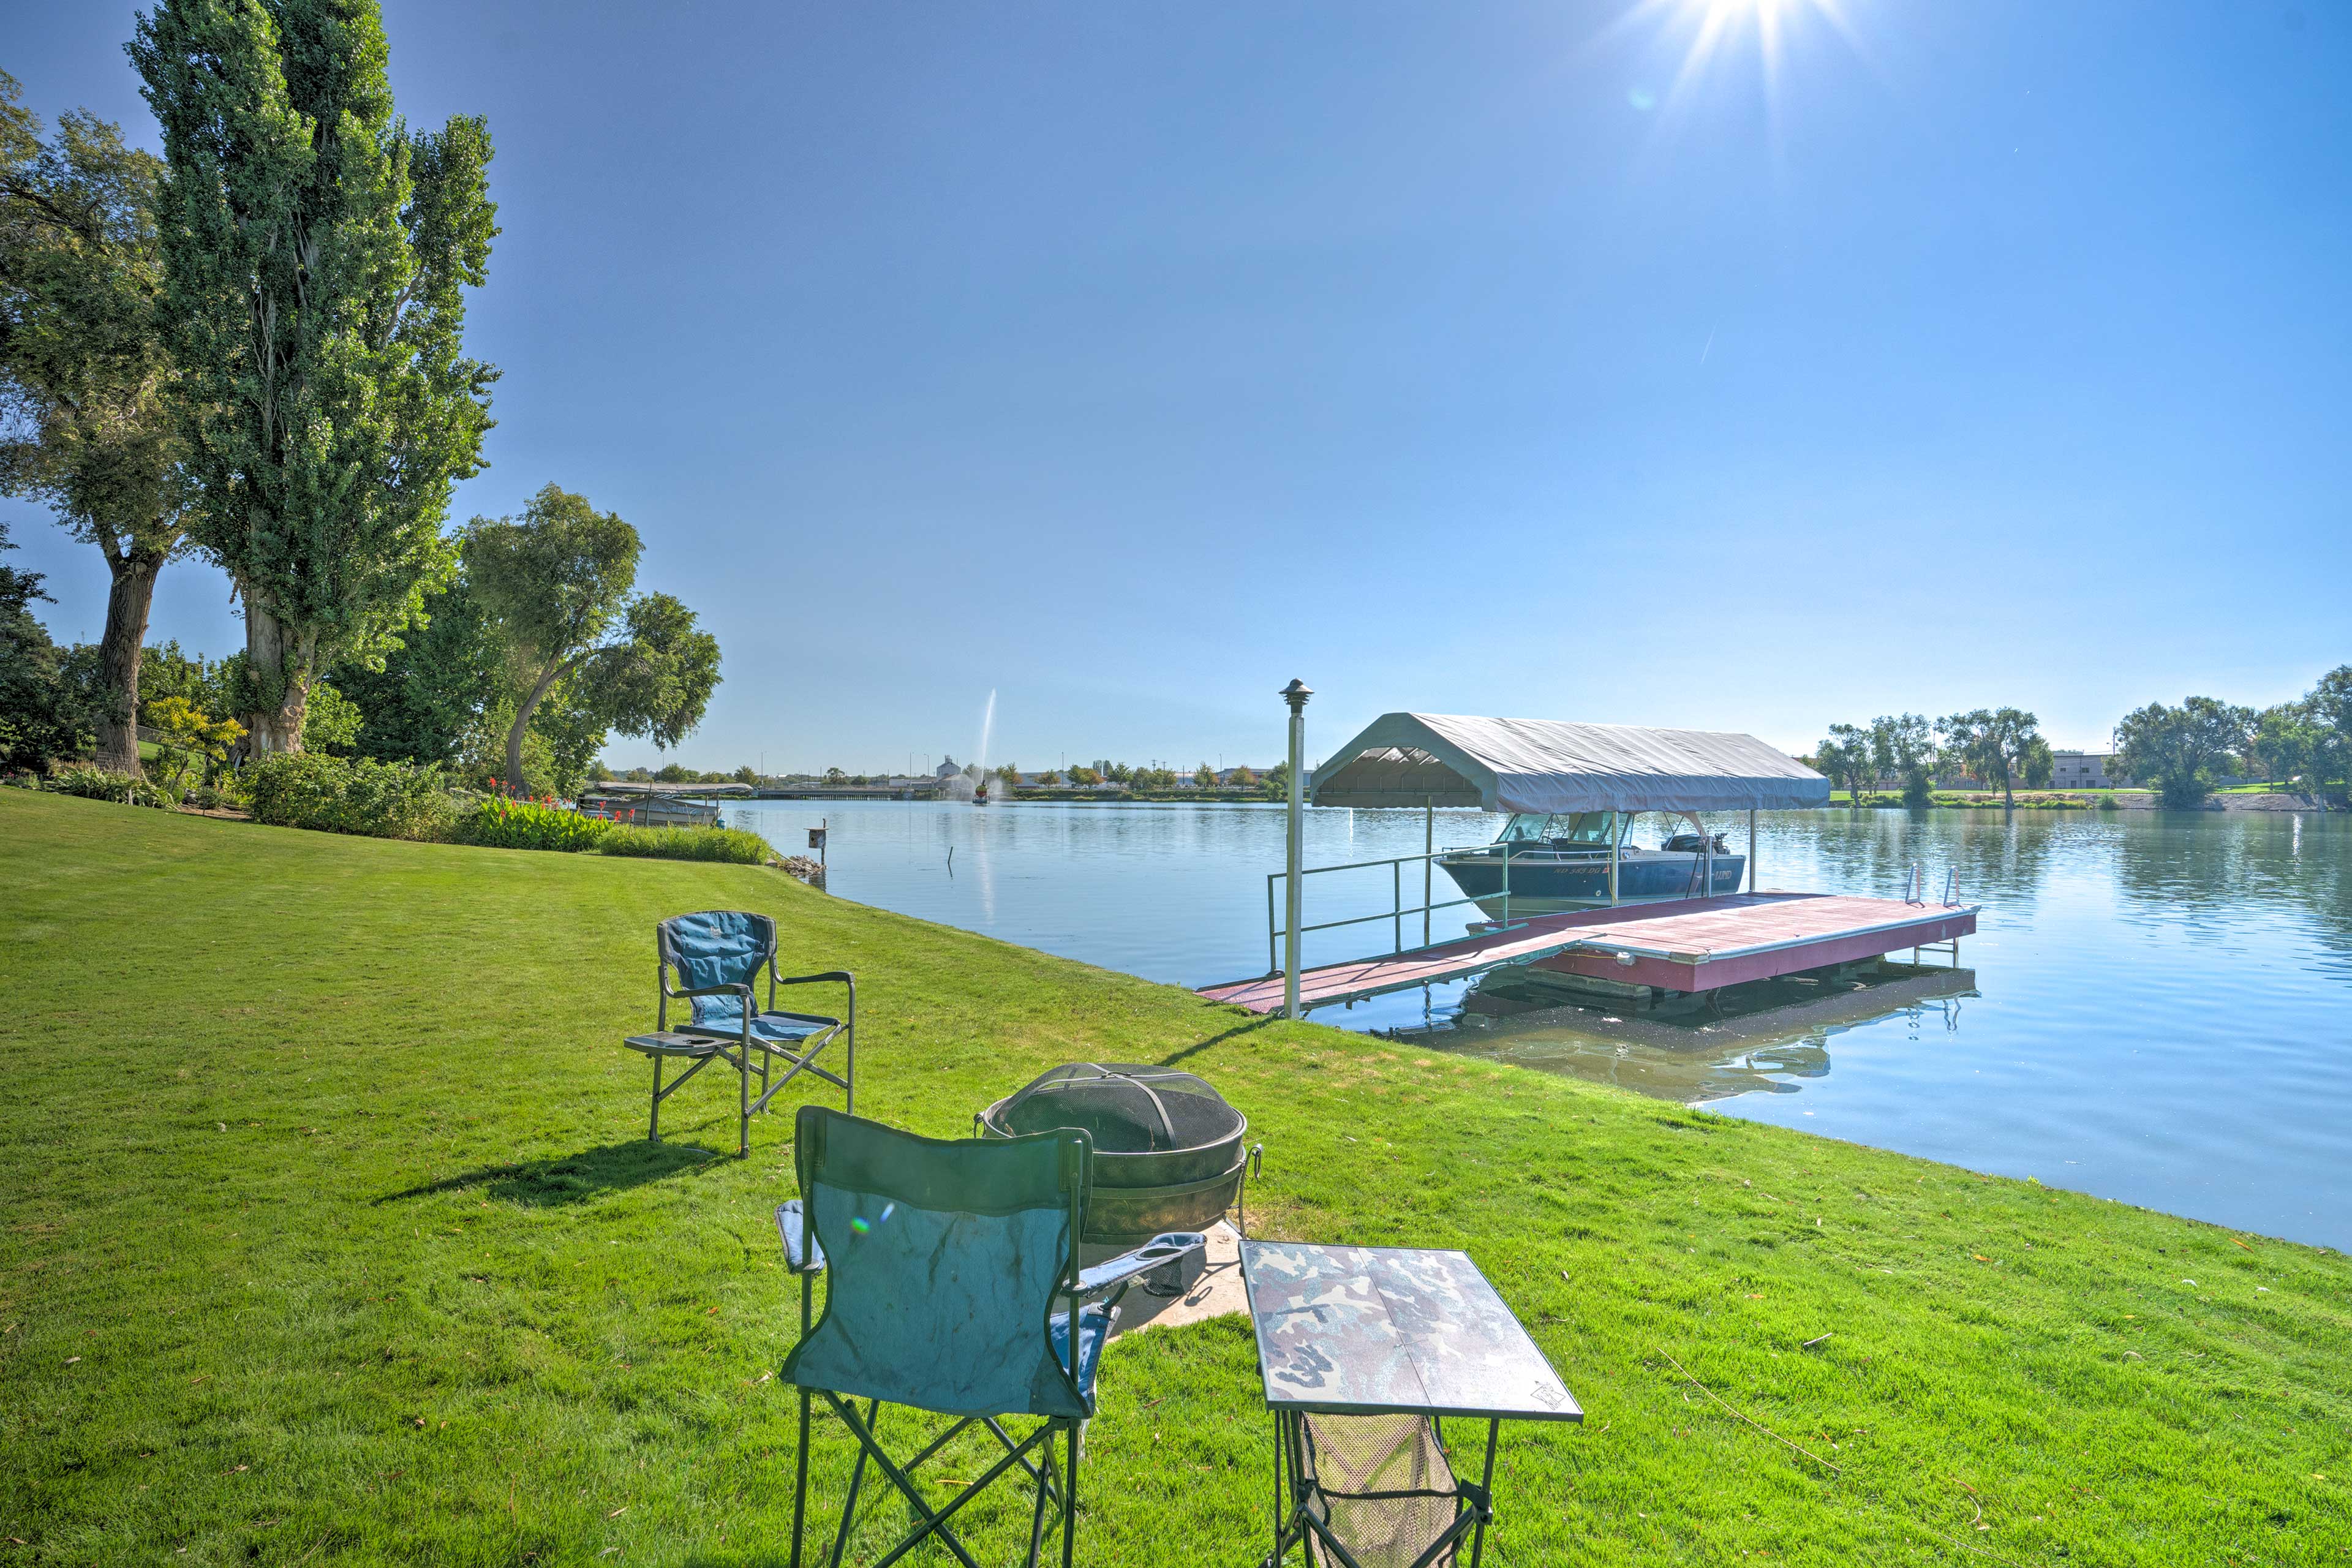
1295	694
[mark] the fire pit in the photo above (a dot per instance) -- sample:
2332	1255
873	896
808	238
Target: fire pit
1168	1149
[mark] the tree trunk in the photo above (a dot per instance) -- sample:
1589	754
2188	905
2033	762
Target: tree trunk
276	652
514	741
524	710
129	598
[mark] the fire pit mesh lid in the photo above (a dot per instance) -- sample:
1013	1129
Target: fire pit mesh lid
1126	1108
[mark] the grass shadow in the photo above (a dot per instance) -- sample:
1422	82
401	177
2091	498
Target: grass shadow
1198	1047
571	1178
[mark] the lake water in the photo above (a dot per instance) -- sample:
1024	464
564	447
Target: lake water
2161	1009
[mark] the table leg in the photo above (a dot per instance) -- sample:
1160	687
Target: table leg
1275	1556
1487	1485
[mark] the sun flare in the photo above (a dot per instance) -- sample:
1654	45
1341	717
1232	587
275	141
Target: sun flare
1718	28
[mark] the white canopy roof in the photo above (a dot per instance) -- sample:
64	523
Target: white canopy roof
1544	766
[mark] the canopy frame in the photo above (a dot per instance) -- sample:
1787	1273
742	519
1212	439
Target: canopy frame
1540	765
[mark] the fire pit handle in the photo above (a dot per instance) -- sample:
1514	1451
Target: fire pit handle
1257	1164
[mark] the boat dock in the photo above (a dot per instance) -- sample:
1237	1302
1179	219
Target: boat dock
1687	945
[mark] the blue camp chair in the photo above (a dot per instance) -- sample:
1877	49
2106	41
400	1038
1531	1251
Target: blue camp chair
719	955
953	1284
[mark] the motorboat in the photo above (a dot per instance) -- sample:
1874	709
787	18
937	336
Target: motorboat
1565	858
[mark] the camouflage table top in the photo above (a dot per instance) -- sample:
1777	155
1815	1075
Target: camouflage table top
1360	1329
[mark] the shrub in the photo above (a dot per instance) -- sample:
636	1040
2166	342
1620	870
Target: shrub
210	798
98	784
500	823
339	794
730	844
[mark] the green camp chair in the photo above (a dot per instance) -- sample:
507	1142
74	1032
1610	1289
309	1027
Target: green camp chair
719	955
953	1284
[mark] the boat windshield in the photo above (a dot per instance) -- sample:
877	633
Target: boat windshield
1598	829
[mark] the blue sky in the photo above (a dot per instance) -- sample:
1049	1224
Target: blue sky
1128	360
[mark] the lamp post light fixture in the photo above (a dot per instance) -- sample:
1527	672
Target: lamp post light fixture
1295	695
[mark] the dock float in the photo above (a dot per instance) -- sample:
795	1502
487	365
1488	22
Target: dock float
1685	944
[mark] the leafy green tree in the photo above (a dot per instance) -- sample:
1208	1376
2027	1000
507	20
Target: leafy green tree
2283	742
836	777
1902	747
85	379
1245	779
747	775
1996	745
598	772
1846	760
1204	777
426	699
672	773
330	721
1085	778
1049	779
189	739
316	255
42	715
2179	750
1278	782
2035	764
556	584
565	732
1008	777
166	671
2327	711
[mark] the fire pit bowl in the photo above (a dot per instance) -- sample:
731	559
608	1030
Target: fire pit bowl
1168	1149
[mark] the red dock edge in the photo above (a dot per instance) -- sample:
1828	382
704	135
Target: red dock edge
1689	945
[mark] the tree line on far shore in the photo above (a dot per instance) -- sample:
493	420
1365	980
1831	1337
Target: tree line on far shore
2177	751
252	350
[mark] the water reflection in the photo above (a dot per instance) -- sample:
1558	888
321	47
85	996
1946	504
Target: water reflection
1756	1040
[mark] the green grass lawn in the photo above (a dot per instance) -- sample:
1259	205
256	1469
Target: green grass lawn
331	1236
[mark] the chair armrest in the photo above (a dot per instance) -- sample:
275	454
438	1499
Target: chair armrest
734	988
1161	1249
802	1253
842	976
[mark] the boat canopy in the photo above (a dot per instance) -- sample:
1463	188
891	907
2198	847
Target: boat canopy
1542	765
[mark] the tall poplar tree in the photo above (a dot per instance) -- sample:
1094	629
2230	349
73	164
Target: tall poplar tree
316	255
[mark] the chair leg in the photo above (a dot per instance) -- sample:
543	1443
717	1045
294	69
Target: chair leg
743	1102
1037	1510
857	1478
1070	1504
800	1482
653	1127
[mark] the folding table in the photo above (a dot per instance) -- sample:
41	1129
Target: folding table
1364	1353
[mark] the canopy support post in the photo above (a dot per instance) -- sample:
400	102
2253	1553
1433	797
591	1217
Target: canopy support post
1295	694
1428	848
1752	884
1617	853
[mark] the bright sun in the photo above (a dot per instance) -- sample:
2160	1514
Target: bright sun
1717	25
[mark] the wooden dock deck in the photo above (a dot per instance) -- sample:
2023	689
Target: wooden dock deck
1689	945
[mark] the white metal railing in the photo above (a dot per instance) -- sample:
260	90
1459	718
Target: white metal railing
1398	908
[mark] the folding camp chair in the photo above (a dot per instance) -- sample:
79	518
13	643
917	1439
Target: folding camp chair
719	955
953	1287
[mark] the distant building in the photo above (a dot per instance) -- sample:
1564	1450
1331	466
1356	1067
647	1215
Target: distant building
2080	770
